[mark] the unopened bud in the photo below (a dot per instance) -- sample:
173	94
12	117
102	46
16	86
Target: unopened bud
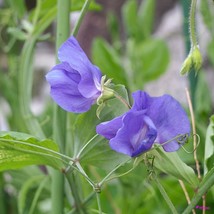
196	58
187	65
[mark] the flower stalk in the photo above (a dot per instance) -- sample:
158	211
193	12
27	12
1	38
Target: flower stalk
63	26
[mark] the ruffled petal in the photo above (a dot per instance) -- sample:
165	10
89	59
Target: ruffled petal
64	89
167	114
109	129
72	53
136	135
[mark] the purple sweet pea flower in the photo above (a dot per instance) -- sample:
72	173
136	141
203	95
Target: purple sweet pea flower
151	119
75	82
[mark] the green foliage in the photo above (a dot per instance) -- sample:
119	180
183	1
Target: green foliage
149	59
140	58
210	48
206	9
19	150
209	147
98	152
170	163
108	60
139	23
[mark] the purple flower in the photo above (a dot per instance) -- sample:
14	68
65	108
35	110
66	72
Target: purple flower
75	82
151	119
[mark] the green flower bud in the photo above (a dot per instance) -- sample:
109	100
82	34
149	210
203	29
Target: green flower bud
187	65
196	58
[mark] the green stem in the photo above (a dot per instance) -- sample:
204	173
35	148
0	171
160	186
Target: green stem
205	185
192	23
106	178
84	203
165	196
2	195
59	117
78	203
193	79
98	202
83	148
25	88
82	14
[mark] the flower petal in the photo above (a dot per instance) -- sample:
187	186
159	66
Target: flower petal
109	129
72	53
64	89
136	135
167	114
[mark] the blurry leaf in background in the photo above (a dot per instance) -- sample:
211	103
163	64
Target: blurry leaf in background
30	192
18	150
209	147
138	22
204	103
130	17
76	5
207	11
210	52
146	16
18	7
149	60
108	60
170	163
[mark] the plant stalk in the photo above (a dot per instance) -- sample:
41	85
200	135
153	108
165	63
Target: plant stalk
59	116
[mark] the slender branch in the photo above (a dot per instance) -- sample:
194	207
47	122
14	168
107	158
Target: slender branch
194	134
59	116
82	14
165	196
99	203
205	185
192	23
186	193
83	148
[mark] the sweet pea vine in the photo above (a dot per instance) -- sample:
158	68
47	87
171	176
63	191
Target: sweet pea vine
76	84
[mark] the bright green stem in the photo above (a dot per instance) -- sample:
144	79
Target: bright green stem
59	117
79	207
165	196
82	14
193	79
25	88
2	196
205	186
99	202
192	23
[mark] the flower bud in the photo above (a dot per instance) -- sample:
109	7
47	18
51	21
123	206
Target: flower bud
196	58
187	65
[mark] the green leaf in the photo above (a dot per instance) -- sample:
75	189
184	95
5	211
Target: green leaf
17	33
146	17
107	59
98	152
204	103
210	53
149	59
18	7
170	163
18	150
209	146
76	5
32	182
207	13
130	19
